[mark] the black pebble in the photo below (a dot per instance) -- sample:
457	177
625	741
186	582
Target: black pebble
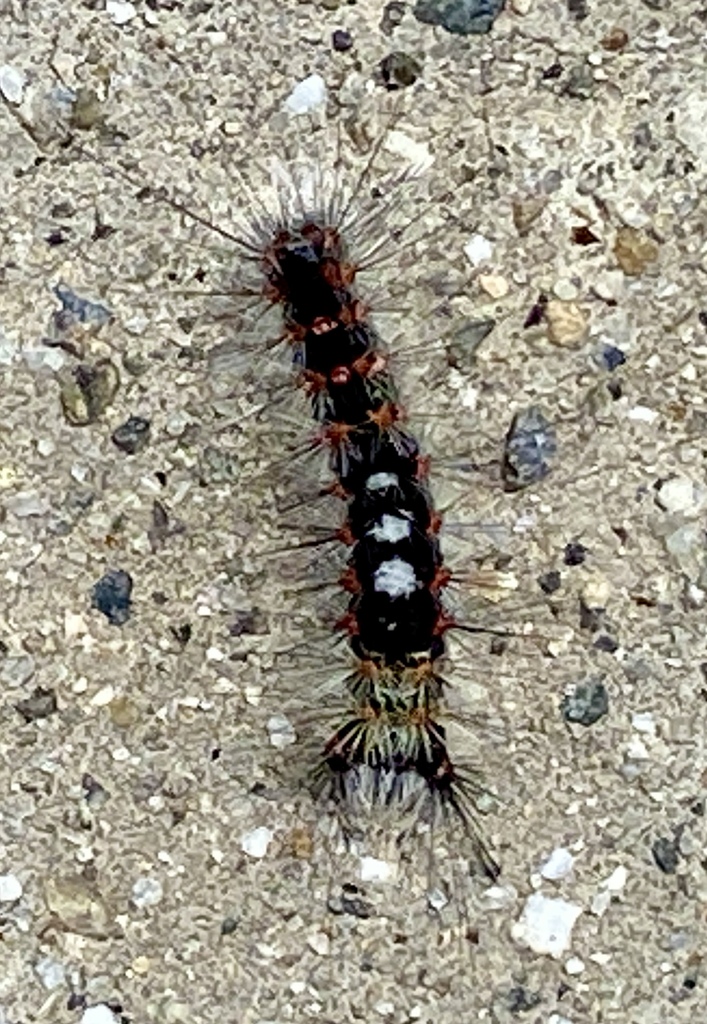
111	595
588	703
575	553
341	40
132	436
666	855
579	9
551	581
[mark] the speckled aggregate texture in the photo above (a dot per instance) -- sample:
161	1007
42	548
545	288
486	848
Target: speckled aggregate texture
157	850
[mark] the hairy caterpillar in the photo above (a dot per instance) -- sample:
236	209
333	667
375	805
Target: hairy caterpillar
391	749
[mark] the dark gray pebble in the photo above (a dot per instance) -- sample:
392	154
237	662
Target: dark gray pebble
85	311
132	436
579	9
530	444
666	854
461	17
393	14
341	40
111	595
399	70
551	581
41	704
611	357
462	347
588	703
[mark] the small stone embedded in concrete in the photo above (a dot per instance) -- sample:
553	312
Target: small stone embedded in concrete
375	870
120	12
460	17
478	249
307	95
558	865
545	925
282	732
682	495
132	436
146	892
612	357
567	323
461	349
98	1014
86	391
530	444
40	704
587	704
399	70
341	40
10	888
83	310
666	854
111	596
634	251
256	842
12	84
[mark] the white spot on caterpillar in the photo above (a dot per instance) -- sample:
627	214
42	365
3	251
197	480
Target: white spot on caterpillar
395	578
379	481
390	529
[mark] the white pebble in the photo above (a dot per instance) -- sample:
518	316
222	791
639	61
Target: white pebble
12	84
616	880
417	154
374	870
478	250
103	696
120	11
574	965
643	721
98	1014
10	888
682	495
319	942
642	414
556	1018
282	732
558	865
50	972
255	843
147	892
496	897
545	925
307	95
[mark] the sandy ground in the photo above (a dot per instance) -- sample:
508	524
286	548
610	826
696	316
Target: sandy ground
138	760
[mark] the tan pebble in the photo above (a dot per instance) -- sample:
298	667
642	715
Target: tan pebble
301	843
141	964
566	322
123	712
634	250
615	39
494	285
596	592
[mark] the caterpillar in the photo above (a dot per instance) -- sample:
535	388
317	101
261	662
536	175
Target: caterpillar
390	750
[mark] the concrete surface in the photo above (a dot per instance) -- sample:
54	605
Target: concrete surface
124	811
